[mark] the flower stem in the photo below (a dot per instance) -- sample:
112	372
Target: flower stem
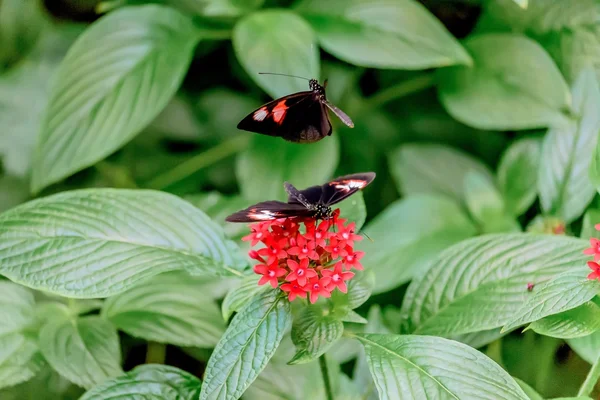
591	379
198	162
325	373
399	90
156	353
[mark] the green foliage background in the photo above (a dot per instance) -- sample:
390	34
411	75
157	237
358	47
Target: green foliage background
121	158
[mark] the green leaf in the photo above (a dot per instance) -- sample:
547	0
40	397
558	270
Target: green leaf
481	283
167	308
147	382
99	242
13	191
237	298
381	34
408	235
314	331
563	182
411	366
85	350
499	94
565	292
529	391
517	175
20	359
590	219
354	210
433	168
587	347
577	322
225	8
17	308
111	84
277	41
21	23
246	347
218	206
360	288
267	162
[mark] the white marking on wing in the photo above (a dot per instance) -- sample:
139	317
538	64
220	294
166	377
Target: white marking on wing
260	114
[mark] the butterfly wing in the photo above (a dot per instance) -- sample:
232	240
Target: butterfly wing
344	186
299	117
340	114
269	210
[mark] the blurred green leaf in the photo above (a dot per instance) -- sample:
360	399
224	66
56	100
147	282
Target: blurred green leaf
354	210
563	181
221	8
590	219
13	191
359	291
21	23
577	322
246	347
149	381
218	206
17	308
20	359
277	41
314	331
408	235
517	175
587	347
167	308
564	292
382	34
267	162
529	391
99	242
85	351
411	366
238	297
497	93
111	84
433	168
481	283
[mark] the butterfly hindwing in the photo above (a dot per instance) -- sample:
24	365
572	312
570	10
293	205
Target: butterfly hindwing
342	187
299	117
267	211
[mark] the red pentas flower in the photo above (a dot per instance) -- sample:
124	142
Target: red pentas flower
304	257
594	250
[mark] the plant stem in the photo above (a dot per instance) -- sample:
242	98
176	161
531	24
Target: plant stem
325	373
494	351
156	353
402	89
198	162
591	379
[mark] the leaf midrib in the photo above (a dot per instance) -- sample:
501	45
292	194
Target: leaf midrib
375	344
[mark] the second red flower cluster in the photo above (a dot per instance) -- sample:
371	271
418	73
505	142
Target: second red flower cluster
307	258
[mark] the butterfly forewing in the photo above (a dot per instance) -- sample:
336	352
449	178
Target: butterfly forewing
267	211
340	114
299	117
342	187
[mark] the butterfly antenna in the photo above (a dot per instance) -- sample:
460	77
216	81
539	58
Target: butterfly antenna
291	76
367	236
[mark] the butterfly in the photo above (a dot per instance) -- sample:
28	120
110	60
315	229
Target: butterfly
300	117
314	202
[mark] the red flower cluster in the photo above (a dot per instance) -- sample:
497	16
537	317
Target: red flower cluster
304	258
594	250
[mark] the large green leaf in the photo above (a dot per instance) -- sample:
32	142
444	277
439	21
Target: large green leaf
578	322
498	93
314	331
238	297
563	182
433	168
354	210
168	308
517	175
17	308
410	233
383	34
277	41
20	359
99	242
246	347
114	80
268	162
426	367
587	347
565	292
481	283
148	381
218	207
21	24
85	350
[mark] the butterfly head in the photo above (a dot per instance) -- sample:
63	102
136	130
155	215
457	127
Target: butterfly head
314	85
323	212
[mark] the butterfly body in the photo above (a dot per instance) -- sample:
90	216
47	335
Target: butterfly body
313	202
300	117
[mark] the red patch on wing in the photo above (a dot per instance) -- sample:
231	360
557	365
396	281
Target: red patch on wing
279	111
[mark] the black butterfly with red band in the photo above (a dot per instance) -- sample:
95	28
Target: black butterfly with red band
300	117
313	202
